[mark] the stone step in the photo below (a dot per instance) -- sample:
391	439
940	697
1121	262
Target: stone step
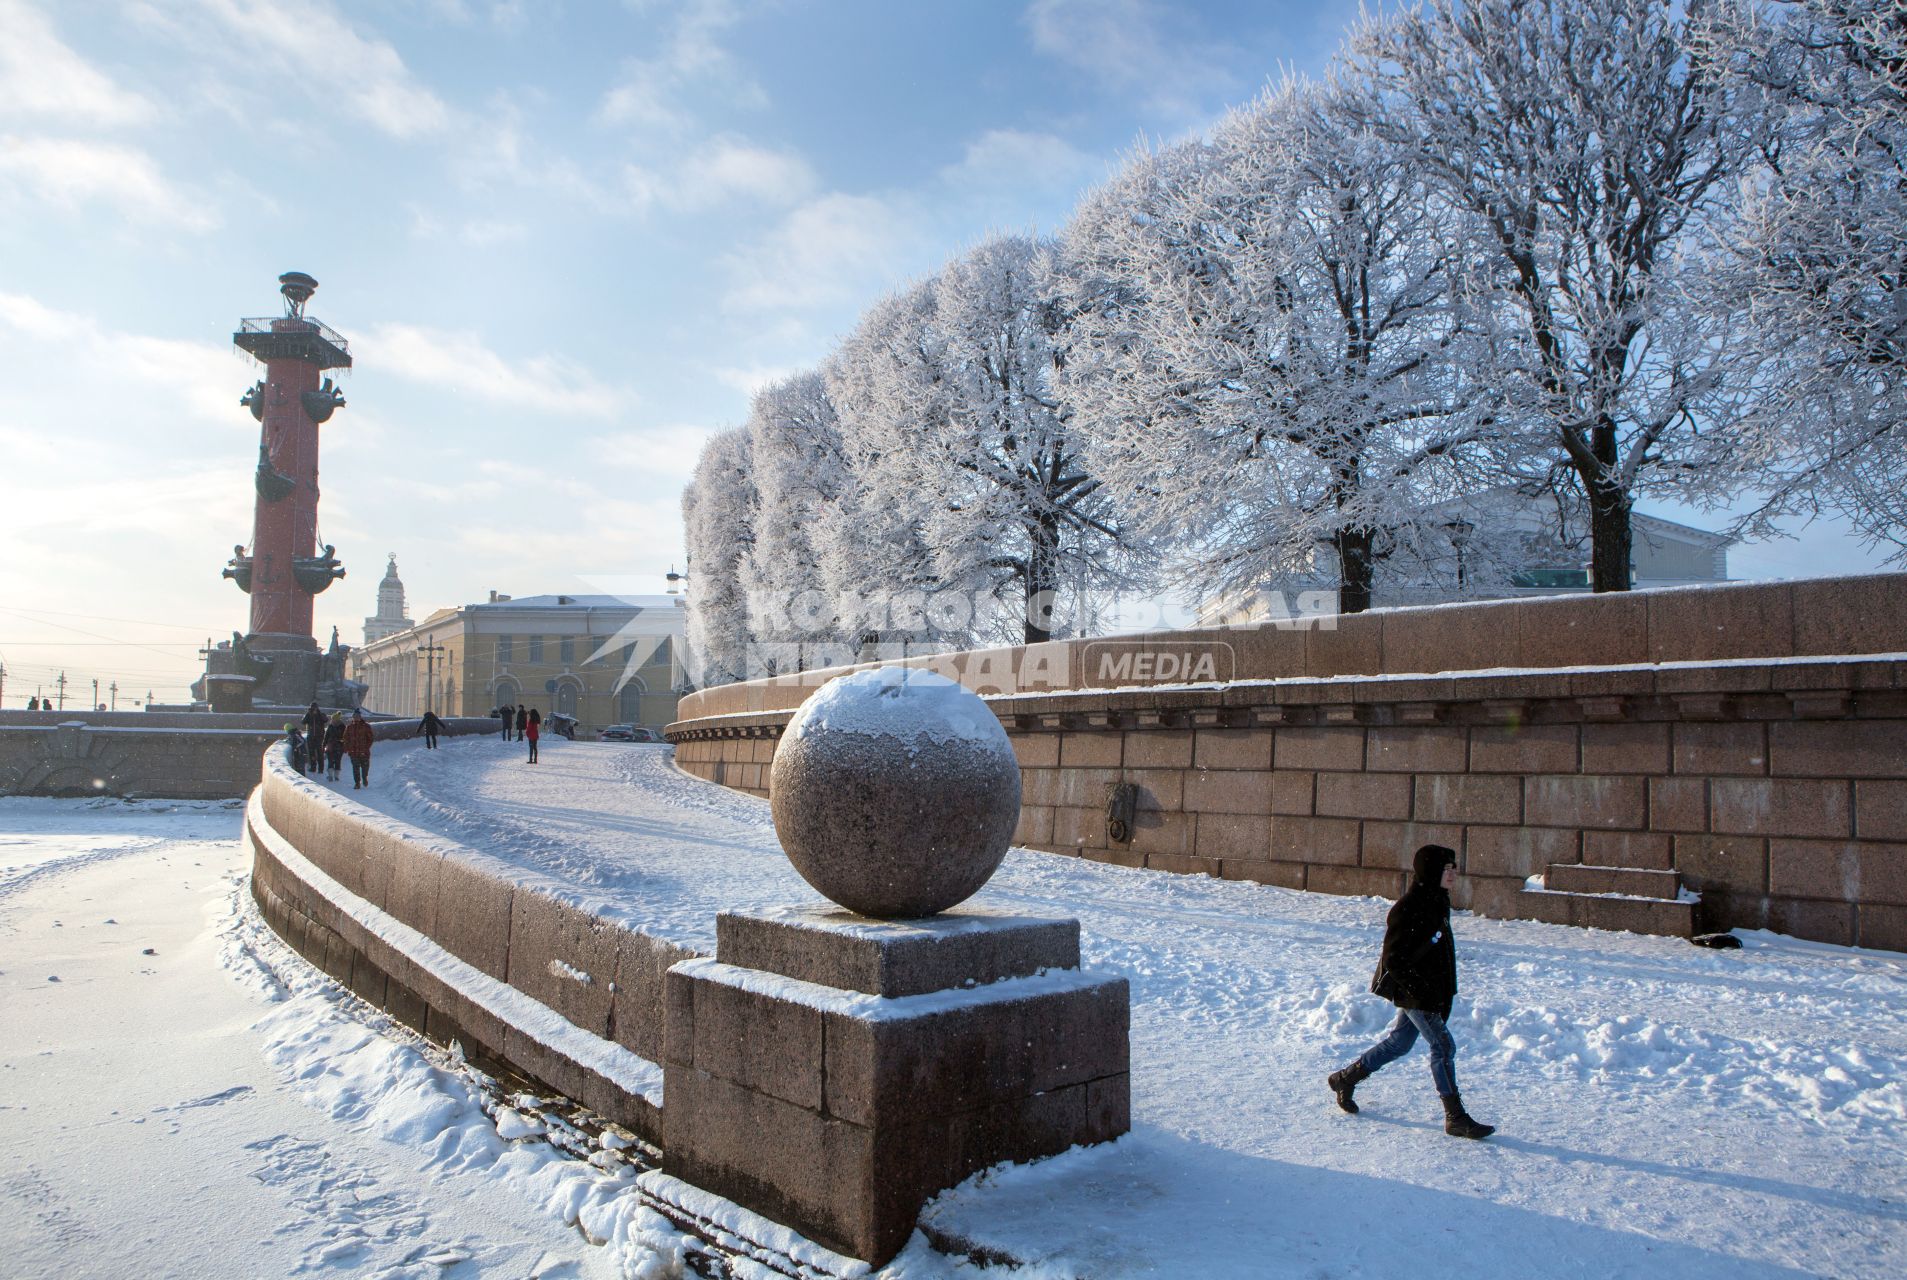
1572	877
1605	911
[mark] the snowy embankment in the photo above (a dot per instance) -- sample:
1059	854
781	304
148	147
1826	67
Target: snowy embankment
1660	1104
1663	1109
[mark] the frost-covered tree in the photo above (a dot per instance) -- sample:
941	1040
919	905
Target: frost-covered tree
718	520
882	381
947	396
1591	140
1266	349
803	483
1818	261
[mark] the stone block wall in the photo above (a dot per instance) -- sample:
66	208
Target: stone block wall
333	879
1775	787
138	755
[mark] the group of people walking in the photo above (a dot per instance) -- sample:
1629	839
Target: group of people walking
528	723
319	744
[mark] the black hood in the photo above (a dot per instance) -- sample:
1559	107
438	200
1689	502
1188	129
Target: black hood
1429	864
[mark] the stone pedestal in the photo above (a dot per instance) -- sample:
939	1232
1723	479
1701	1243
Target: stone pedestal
833	1072
229	694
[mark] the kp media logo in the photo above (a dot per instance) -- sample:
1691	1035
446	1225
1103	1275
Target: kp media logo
1113	664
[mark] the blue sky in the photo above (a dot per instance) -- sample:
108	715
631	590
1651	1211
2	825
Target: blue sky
566	240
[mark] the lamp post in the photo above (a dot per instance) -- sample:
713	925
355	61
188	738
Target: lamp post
1460	531
430	652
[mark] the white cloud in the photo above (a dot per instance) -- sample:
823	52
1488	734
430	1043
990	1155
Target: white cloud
310	45
478	233
463	363
1015	160
752	378
657	453
654	91
831	249
203	376
41	76
70	173
723	171
1130	46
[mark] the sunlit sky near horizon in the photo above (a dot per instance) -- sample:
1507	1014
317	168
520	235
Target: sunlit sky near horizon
565	240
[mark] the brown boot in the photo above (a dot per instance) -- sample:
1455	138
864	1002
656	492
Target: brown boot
1457	1122
1344	1083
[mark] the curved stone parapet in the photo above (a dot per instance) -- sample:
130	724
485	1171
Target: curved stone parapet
464	947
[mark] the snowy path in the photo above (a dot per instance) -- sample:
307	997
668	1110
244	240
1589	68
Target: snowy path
1661	1107
218	1108
160	1113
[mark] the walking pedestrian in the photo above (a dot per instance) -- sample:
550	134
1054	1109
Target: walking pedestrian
429	726
357	744
314	737
334	745
534	728
1417	972
522	721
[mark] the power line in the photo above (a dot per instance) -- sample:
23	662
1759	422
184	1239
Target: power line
134	644
98	617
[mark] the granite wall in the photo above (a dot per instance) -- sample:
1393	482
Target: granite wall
136	755
1749	742
447	940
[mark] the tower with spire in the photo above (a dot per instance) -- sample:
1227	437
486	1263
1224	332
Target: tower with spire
286	564
389	618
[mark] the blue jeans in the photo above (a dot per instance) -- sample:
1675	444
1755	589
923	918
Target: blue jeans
1403	1034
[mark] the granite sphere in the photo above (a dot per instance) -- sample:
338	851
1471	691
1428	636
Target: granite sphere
895	792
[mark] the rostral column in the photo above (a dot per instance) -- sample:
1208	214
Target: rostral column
285	567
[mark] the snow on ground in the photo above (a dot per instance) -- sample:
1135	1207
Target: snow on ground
220	1109
181	1096
1660	1106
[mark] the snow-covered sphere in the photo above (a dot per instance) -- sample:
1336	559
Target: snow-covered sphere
895	792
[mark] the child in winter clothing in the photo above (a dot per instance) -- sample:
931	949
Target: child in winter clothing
1417	972
334	745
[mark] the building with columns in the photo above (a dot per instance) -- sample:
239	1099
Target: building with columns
602	659
390	618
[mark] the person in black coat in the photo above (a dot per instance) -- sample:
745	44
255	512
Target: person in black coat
507	714
314	737
430	726
522	721
1417	972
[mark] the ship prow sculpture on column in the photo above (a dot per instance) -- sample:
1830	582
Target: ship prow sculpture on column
836	1065
284	567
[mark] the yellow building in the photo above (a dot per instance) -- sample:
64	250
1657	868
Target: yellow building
602	659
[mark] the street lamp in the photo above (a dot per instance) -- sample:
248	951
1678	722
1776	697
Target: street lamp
1459	531
673	578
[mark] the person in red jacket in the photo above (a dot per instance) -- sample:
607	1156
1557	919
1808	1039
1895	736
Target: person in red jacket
533	729
357	745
